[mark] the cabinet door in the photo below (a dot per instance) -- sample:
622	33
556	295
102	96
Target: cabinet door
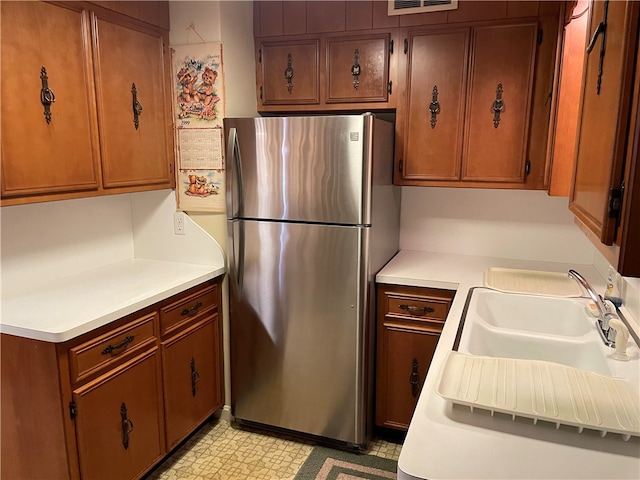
59	155
357	69
136	149
119	420
499	103
604	117
290	72
404	355
435	98
192	384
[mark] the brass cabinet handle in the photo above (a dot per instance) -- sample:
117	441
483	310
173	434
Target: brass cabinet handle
137	108
434	107
191	310
414	309
414	378
498	106
288	73
127	425
111	348
195	376
47	97
355	69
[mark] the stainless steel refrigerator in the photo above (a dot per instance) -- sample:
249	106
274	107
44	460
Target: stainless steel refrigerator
312	217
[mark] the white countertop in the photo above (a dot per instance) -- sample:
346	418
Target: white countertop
80	303
450	442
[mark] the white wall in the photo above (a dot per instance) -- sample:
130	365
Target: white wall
45	241
494	223
229	22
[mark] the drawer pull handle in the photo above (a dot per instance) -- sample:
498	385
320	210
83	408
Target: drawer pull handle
195	377
191	310
414	378
419	310
127	425
111	348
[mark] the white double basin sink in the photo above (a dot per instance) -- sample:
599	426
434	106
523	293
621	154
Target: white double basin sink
542	358
533	327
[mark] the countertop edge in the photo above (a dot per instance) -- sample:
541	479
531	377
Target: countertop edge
189	276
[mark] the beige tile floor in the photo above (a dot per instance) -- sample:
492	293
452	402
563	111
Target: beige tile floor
219	451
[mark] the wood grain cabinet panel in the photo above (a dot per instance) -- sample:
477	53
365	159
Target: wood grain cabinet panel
499	103
40	156
605	193
135	148
435	101
290	72
357	69
409	323
119	421
191	372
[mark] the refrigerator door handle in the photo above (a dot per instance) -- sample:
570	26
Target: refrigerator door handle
235	194
236	260
235	197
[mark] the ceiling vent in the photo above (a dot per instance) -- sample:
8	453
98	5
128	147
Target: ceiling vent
405	7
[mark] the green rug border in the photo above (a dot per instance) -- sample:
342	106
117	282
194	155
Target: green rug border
311	466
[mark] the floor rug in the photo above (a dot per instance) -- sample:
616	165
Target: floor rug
329	464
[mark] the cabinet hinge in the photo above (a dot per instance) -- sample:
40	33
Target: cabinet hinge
391	47
73	410
615	202
400	166
390	87
527	167
260	55
539	36
406	46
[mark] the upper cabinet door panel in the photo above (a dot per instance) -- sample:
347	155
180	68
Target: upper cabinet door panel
290	72
499	103
126	57
61	155
436	86
603	116
357	69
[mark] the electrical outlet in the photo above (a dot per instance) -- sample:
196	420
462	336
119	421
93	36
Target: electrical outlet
179	223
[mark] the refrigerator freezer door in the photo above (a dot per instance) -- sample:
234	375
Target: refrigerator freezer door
310	169
297	329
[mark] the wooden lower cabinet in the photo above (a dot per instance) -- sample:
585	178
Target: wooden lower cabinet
119	420
409	322
113	402
192	380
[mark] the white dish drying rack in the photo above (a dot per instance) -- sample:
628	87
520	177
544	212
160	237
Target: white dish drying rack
542	390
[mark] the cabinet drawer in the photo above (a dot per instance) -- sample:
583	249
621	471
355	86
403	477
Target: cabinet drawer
113	347
427	308
187	308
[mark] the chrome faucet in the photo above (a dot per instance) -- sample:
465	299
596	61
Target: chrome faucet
604	315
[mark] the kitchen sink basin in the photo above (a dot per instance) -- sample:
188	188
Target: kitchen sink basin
532	313
534	327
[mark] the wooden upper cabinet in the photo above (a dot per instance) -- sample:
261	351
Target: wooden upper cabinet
434	104
499	103
467	104
290	72
604	118
60	155
357	69
130	71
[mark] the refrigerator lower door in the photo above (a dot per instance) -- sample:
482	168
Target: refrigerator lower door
296	327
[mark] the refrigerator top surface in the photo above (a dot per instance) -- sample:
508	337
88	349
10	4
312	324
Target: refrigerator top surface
304	169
